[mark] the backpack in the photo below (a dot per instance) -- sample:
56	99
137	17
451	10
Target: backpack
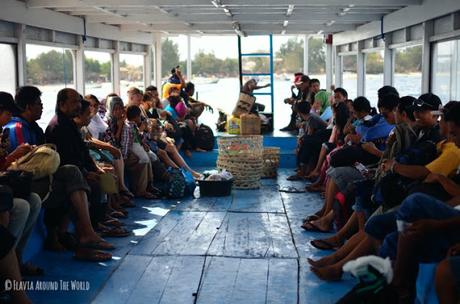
176	186
204	138
42	161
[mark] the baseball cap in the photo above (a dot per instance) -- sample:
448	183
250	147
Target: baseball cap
7	103
428	102
302	79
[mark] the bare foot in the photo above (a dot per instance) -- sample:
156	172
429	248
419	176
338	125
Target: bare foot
328	273
188	153
323	224
323	262
196	175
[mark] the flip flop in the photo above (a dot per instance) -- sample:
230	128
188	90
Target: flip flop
115	232
291	189
127	193
92	255
309	226
323	245
295	177
97	245
311	218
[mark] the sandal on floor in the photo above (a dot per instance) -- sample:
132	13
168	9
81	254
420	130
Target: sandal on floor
295	177
113	222
97	245
127	193
115	232
92	255
118	214
311	218
309	226
28	269
149	196
323	245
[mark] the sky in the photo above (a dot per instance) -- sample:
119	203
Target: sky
222	46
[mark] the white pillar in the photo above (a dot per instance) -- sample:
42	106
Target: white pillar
116	68
148	67
426	56
388	66
328	66
80	68
361	69
338	68
22	59
305	53
158	55
189	58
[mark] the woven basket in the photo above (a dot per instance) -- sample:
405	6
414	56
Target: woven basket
242	156
271	156
250	124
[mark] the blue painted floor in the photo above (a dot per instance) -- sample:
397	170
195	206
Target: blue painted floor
245	248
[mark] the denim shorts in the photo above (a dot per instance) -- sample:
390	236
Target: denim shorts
344	176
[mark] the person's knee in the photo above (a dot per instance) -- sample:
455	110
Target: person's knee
69	172
35	202
162	153
443	273
21	208
412	206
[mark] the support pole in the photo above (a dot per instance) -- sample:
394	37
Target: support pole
388	63
148	67
116	68
426	56
80	68
338	69
189	58
305	53
361	69
22	59
328	66
158	54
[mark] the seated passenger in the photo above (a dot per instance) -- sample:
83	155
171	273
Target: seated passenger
196	107
314	134
99	127
134	152
382	228
24	212
64	133
9	266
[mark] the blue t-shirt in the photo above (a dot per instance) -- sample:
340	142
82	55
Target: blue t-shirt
21	131
172	111
375	130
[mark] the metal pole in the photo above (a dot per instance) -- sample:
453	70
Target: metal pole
272	78
240	63
305	53
189	58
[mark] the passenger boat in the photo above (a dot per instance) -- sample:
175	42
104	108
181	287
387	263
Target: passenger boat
247	247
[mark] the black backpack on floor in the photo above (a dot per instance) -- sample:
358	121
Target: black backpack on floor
204	138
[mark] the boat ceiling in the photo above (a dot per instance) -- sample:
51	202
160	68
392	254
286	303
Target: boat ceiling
222	17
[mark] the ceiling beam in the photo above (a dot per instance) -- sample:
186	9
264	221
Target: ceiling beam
228	27
133	3
221	17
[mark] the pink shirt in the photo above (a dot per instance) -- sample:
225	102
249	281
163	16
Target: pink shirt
181	109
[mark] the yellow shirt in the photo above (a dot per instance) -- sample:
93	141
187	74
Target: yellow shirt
167	87
448	161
